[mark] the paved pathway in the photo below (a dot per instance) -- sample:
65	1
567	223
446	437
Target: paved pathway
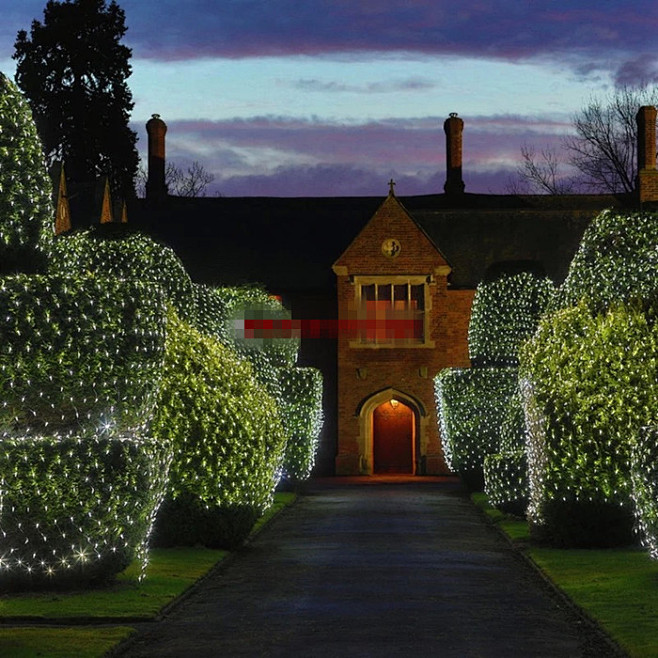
379	568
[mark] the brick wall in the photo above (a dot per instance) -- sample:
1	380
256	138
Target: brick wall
365	371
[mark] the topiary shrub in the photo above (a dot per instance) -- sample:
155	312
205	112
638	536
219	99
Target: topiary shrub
616	262
301	413
76	511
506	481
644	476
228	441
116	250
505	312
589	384
471	405
26	210
78	356
506	473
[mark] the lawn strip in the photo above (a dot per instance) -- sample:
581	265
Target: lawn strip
48	642
617	588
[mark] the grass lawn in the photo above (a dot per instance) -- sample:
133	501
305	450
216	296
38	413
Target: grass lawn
616	587
170	573
88	642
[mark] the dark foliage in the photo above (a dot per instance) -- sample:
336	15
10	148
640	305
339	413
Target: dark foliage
73	69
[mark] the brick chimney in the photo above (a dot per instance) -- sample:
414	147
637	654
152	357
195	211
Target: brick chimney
453	126
647	175
156	188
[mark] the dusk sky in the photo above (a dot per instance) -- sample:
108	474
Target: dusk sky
335	97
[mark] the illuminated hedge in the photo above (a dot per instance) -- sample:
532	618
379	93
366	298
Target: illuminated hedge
228	441
76	510
644	472
78	355
301	413
506	481
616	262
471	405
223	310
26	212
589	384
506	473
505	312
115	250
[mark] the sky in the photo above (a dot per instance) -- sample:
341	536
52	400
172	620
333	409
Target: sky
335	97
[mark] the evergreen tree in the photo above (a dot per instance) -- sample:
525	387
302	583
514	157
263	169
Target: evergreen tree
73	69
26	212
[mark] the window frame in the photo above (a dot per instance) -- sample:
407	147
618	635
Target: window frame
359	281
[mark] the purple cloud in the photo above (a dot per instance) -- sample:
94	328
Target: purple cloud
282	156
581	34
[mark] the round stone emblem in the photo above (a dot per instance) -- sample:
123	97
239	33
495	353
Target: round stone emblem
391	247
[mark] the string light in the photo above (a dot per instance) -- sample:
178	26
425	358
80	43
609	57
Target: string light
589	378
472	403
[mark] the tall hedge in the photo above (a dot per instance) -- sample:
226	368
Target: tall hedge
78	354
505	313
116	250
615	262
228	441
471	404
589	385
80	481
301	413
26	212
77	510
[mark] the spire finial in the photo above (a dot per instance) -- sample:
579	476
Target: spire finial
391	185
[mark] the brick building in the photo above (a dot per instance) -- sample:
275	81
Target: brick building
397	264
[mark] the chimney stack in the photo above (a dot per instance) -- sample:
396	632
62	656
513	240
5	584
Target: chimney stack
647	175
453	126
156	187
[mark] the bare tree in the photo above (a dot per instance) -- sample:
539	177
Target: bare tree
603	147
191	182
542	173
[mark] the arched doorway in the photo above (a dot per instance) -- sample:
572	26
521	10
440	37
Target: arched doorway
393	437
392	425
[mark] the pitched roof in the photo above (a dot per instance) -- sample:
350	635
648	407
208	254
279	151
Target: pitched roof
289	244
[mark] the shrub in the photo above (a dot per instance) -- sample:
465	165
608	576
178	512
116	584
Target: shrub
115	250
644	473
588	385
26	211
301	413
78	356
471	405
227	436
76	510
506	481
506	473
505	312
616	262
222	312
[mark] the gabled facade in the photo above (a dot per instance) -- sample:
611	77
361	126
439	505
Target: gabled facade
401	325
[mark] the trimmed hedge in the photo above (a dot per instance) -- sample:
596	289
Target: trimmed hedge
26	210
78	355
471	405
616	262
75	510
506	481
116	250
301	412
506	473
589	383
228	441
222	312
505	312
644	473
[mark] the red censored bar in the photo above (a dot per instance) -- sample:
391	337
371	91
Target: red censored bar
404	328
